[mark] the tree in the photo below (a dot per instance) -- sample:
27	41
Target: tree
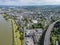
21	37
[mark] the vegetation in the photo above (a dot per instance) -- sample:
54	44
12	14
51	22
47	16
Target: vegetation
38	25
22	38
55	34
52	19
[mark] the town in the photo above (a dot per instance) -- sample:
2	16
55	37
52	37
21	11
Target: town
35	23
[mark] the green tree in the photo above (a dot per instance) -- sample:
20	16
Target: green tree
21	37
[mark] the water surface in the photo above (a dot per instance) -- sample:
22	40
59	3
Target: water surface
5	32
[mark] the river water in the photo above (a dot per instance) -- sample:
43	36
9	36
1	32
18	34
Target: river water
5	31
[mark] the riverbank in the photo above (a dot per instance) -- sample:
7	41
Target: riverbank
15	32
5	31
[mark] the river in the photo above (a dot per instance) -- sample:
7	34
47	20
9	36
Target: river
5	32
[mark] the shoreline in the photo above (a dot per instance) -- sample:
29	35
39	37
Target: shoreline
15	35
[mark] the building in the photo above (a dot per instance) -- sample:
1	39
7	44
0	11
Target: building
33	35
57	43
29	41
34	21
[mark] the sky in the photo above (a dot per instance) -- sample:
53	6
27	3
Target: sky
29	2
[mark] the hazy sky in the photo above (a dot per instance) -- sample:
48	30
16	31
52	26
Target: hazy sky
29	2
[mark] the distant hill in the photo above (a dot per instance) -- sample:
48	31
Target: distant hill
33	6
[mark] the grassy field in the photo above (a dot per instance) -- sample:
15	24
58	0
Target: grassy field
16	33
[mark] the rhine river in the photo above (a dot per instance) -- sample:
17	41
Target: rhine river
5	31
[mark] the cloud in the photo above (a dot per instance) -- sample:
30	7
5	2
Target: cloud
52	2
29	2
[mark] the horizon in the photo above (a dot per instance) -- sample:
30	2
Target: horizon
30	5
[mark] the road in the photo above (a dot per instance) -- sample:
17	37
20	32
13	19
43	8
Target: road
47	35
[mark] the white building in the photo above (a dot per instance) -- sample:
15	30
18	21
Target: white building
34	21
57	43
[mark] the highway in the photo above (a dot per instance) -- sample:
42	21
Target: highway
47	35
